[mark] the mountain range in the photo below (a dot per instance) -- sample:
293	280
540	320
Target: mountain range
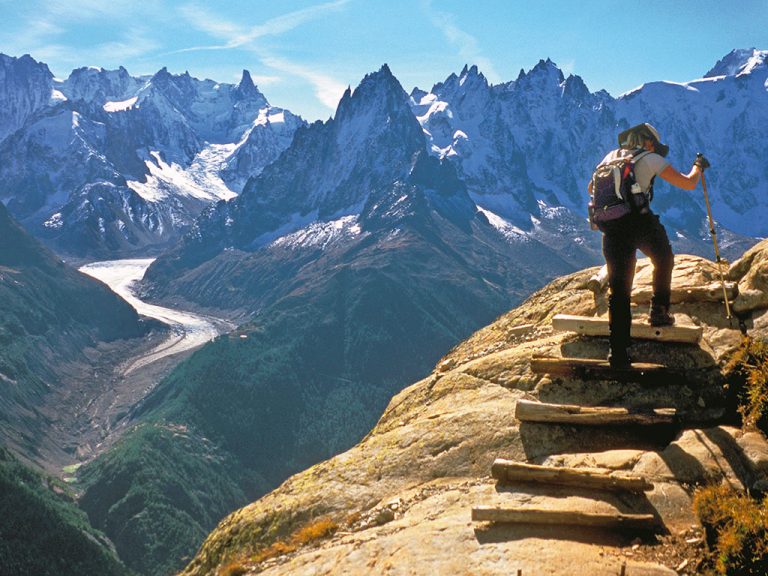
103	163
340	314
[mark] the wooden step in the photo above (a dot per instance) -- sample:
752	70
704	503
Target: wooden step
510	471
527	411
593	369
484	513
590	326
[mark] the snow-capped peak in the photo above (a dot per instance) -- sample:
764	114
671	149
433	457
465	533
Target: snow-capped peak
738	62
469	80
378	91
246	87
545	70
574	87
383	79
108	88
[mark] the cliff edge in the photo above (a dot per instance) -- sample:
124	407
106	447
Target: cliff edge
400	501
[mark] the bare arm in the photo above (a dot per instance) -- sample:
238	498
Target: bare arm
684	181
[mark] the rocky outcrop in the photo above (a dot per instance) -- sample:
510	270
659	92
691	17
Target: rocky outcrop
25	87
751	272
402	496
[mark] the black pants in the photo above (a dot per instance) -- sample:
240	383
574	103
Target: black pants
621	240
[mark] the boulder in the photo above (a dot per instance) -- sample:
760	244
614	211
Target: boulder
751	272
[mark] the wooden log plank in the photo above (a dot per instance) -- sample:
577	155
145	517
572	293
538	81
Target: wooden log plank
593	369
527	411
482	513
599	327
709	293
510	471
598	282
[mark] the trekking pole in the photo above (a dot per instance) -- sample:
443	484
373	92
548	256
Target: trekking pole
717	251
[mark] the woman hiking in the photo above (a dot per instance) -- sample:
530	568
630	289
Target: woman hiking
634	226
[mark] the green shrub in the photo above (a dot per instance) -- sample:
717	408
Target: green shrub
747	374
737	530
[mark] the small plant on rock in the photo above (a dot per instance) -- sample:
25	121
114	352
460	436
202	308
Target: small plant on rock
306	534
747	374
737	530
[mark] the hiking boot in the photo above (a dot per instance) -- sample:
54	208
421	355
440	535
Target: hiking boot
619	359
660	316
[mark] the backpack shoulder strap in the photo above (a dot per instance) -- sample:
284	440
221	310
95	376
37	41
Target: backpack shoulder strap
639	154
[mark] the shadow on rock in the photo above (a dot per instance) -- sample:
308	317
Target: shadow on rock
733	454
624	502
685	468
546	439
498	533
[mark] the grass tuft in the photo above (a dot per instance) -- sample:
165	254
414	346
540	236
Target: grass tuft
737	530
747	373
313	531
306	534
234	568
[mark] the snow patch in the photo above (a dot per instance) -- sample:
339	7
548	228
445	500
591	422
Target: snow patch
295	222
121	106
57	97
200	180
757	59
436	107
55	222
270	116
507	229
321	234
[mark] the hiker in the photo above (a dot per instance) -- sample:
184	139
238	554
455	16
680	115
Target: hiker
632	226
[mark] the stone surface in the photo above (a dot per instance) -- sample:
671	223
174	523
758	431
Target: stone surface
751	272
458	546
697	457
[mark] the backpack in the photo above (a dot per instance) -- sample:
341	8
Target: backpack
615	193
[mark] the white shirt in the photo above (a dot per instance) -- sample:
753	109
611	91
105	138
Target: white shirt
648	166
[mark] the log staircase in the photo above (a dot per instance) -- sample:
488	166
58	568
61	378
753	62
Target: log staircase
598	484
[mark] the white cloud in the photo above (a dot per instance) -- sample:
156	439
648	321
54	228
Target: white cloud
327	89
286	22
79	10
49	26
465	43
134	43
33	33
567	67
237	36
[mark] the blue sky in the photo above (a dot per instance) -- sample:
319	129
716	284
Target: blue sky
302	54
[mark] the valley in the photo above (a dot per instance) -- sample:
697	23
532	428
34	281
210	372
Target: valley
187	330
97	395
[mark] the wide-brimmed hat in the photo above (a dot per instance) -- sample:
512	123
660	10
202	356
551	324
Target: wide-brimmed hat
633	138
